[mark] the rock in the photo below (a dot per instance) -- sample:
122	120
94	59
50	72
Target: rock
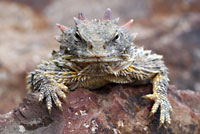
113	109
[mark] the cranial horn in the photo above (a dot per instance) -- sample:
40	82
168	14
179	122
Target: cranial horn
77	21
128	24
107	15
61	27
81	16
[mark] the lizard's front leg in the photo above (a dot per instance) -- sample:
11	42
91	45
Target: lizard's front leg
160	86
50	88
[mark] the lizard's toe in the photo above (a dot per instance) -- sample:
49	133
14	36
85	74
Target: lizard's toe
154	108
56	100
41	96
168	119
165	109
150	96
49	103
162	116
63	88
61	94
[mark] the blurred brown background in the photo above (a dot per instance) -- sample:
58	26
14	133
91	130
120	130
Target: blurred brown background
27	27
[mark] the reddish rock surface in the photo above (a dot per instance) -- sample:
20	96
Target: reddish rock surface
113	109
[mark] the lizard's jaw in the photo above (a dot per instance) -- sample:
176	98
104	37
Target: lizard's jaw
95	60
101	59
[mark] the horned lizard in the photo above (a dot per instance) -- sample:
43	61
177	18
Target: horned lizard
95	53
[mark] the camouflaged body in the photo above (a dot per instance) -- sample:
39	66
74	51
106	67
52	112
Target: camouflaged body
94	53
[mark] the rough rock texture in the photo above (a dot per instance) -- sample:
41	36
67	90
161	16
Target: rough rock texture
113	109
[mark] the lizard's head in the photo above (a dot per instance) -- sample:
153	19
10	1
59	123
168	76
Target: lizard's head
96	40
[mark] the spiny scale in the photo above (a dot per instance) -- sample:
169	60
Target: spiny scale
128	24
61	27
81	16
107	15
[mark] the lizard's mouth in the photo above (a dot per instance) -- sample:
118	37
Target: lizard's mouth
95	59
101	59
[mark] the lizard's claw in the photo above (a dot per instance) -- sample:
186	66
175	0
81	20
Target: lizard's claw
165	107
51	93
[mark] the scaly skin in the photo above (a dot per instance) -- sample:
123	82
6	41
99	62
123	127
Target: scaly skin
95	53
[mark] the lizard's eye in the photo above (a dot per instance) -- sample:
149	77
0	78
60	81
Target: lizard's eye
78	37
116	37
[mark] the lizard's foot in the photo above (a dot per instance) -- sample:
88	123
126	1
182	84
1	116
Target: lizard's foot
165	107
50	92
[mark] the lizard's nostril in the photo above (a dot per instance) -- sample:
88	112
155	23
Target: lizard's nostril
104	46
90	46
